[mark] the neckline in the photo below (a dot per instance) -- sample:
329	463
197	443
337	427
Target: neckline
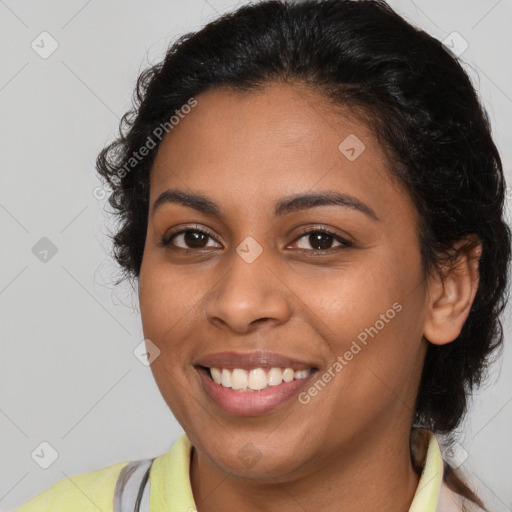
171	489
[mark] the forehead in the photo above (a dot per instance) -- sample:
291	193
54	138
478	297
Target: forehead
257	146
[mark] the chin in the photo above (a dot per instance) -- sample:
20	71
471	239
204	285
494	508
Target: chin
255	459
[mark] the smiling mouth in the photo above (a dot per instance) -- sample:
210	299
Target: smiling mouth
256	379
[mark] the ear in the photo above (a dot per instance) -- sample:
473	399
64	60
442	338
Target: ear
451	293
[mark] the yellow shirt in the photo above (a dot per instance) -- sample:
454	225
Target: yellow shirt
170	489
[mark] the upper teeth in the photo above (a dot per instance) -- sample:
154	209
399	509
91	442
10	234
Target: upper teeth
255	379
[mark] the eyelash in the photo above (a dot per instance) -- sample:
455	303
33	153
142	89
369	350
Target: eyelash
166	240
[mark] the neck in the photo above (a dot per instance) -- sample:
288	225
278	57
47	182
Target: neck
374	473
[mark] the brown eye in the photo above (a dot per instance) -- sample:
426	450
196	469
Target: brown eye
188	239
322	240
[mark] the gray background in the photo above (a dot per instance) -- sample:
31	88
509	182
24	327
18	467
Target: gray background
68	373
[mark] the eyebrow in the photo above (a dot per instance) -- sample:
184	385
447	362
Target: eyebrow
284	206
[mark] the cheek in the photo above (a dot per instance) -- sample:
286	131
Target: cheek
370	316
168	302
166	306
350	299
167	291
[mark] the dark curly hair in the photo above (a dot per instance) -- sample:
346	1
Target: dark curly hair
424	111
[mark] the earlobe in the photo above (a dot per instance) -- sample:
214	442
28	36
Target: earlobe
451	293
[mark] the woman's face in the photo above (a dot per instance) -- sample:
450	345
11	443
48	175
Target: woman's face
256	283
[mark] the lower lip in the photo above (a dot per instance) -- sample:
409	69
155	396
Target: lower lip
251	403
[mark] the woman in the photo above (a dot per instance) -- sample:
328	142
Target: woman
311	203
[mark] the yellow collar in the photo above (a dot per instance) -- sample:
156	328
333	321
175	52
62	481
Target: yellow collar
171	490
429	487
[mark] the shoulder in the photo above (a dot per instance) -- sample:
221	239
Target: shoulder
86	492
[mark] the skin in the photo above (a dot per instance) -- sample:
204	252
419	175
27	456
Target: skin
350	444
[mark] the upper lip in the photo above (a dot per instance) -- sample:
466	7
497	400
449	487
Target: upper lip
249	360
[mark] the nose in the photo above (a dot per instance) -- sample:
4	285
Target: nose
249	294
